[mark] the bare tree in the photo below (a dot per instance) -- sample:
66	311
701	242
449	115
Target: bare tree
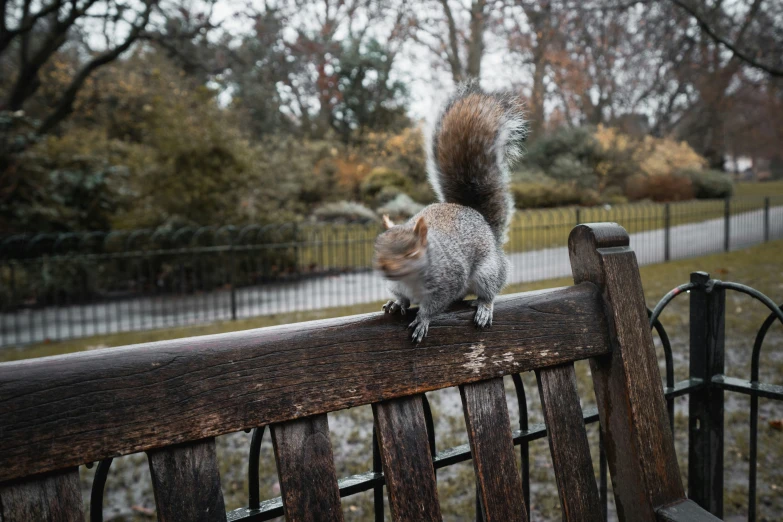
38	35
533	33
762	48
460	46
576	55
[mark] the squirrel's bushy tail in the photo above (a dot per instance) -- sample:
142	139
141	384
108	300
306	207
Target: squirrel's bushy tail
475	138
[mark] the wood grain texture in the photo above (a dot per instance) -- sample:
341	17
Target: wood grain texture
406	459
64	411
55	497
186	482
568	444
685	511
489	432
628	387
305	467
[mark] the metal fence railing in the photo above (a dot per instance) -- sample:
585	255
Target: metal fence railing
60	286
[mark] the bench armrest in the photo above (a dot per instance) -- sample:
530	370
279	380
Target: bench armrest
685	511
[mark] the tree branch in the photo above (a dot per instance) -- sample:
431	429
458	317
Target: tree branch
65	105
3	8
27	82
774	71
476	43
454	60
7	35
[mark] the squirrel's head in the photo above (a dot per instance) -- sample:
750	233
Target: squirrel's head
401	250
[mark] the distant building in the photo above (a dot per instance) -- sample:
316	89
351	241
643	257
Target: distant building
749	169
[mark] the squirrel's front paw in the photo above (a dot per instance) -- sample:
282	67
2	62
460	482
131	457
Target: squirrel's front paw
483	317
420	329
392	307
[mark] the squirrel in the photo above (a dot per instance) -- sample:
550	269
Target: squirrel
455	246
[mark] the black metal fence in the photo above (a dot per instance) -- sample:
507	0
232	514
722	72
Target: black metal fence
705	386
60	286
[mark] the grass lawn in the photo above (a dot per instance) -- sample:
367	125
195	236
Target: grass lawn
129	494
751	188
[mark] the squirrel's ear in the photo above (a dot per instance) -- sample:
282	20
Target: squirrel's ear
420	229
387	223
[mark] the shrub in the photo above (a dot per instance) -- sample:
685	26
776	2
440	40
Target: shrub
61	183
605	159
618	159
387	194
577	142
660	188
529	174
710	184
401	207
614	196
403	151
423	192
546	195
665	156
570	154
658	160
382	178
568	168
345	212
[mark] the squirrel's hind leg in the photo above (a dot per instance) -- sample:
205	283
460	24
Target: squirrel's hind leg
483	317
487	282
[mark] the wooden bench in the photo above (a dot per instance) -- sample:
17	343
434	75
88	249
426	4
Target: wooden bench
170	399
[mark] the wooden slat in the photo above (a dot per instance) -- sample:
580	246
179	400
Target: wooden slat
568	444
186	482
55	497
685	511
407	463
67	410
489	432
305	466
628	386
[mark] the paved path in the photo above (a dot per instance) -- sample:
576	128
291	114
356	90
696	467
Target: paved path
354	288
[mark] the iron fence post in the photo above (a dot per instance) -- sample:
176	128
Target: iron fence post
667	232
726	224
705	406
578	216
377	468
15	304
231	273
766	219
297	270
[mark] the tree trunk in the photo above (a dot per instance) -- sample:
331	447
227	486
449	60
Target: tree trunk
537	95
476	43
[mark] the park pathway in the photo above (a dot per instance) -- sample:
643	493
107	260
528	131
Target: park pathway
689	240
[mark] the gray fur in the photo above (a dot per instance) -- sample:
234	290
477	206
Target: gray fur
463	248
462	257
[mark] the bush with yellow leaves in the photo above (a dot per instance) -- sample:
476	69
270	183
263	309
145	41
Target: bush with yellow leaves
647	168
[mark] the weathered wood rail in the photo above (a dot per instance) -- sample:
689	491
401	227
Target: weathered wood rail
170	399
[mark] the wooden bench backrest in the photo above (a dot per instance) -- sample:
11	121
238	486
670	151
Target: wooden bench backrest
170	399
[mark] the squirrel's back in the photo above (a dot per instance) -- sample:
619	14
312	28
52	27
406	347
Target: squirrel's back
475	138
